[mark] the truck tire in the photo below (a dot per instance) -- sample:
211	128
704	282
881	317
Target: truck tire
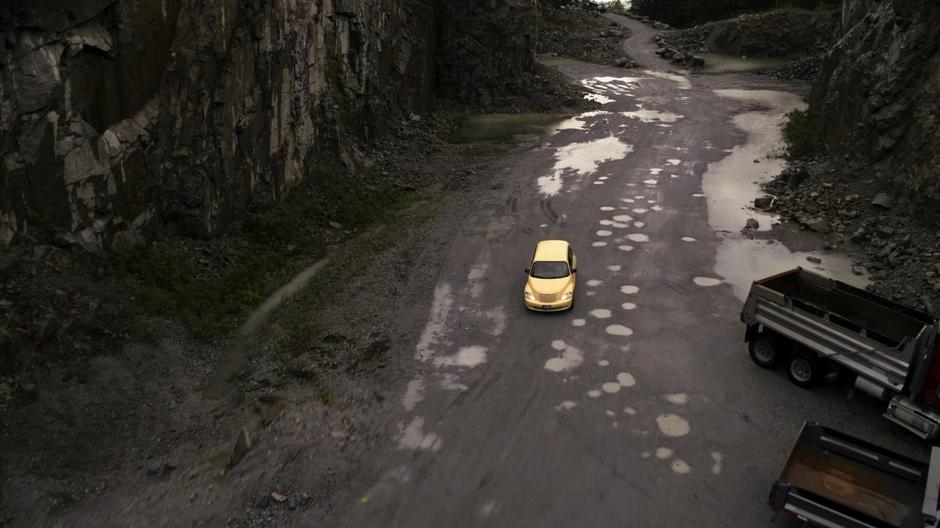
804	370
764	350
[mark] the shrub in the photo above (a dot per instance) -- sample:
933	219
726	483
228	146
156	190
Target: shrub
801	133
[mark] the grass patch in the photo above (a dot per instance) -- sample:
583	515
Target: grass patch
801	133
173	278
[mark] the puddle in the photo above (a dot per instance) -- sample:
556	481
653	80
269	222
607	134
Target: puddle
716	466
681	80
706	281
652	116
680	398
742	261
614	267
594	283
599	243
594	393
566	405
629	289
599	98
570	358
663	453
638	237
469	357
680	467
718	63
625	248
731	184
578	322
603	233
611	387
672	425
603	363
582	159
413	394
504	127
600	313
625	379
414	438
619	330
628	306
629	411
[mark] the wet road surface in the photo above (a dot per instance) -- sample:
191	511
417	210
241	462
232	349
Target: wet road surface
640	407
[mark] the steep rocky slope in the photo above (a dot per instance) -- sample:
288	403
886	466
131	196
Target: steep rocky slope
119	116
878	96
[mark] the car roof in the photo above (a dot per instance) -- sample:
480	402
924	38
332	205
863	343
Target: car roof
556	250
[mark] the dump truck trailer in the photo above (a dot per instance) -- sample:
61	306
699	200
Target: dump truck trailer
833	480
814	325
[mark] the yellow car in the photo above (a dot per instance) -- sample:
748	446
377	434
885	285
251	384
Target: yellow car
551	277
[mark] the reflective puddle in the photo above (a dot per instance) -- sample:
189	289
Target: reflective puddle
504	127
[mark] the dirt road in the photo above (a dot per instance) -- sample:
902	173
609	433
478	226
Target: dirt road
640	406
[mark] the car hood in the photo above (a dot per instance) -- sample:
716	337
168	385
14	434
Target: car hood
548	285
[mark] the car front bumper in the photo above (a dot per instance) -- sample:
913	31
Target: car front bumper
556	306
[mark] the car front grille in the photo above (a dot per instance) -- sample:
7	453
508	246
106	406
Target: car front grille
548	297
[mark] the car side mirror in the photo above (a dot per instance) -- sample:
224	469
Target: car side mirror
574	270
527	271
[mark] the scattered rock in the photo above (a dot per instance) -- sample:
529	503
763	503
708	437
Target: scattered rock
764	202
882	200
278	497
858	270
751	224
335	225
814	260
815	223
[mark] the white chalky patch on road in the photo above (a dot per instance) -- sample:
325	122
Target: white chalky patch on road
682	81
598	183
559	345
638	237
449	381
625	248
578	322
629	411
706	281
663	453
651	202
716	466
673	161
604	178
625	379
413	394
655	172
475	279
603	363
628	306
498	317
672	425
434	328
673	175
639	197
594	393
599	98
680	467
582	159
607	208
679	398
619	330
611	387
604	232
414	438
571	358
627	200
623	218
639	210
598	243
652	116
688	239
600	313
618	225
629	289
639	225
657	208
605	222
566	405
594	282
489	508
651	182
614	267
469	357
698	195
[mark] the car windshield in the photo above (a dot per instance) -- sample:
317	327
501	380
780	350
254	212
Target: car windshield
549	270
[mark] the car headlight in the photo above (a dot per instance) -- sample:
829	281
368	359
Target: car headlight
529	296
567	296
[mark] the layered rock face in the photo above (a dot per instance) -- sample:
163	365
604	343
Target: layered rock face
878	94
121	115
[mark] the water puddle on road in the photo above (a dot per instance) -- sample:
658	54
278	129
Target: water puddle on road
718	63
582	159
741	261
505	127
731	185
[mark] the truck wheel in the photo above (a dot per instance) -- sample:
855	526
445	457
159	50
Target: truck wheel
803	370
764	351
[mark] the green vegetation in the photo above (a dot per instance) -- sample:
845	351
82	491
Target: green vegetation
211	287
685	13
801	133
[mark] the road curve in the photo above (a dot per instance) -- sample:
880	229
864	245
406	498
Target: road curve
639	407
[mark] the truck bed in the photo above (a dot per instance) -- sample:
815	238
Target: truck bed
866	333
835	476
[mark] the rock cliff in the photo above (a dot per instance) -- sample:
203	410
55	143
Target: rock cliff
120	116
878	94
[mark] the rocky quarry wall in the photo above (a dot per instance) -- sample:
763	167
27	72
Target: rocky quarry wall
118	116
878	94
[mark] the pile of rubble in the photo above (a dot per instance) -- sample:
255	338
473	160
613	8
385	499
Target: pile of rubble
585	36
856	215
676	55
